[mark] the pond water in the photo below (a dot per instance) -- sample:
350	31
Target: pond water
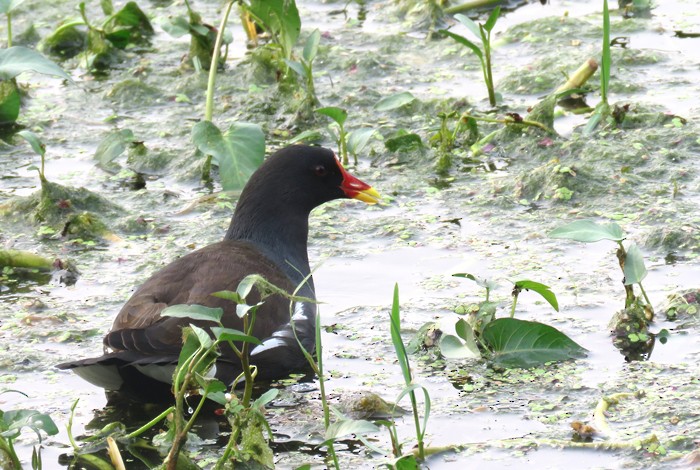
490	223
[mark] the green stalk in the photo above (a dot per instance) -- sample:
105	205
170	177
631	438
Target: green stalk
209	110
402	356
9	29
150	424
488	74
7	448
644	293
606	62
69	427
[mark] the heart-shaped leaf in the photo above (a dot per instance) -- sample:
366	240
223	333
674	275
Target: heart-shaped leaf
520	343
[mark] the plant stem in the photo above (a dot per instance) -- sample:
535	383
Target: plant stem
9	29
606	62
7	448
644	293
488	74
209	110
150	424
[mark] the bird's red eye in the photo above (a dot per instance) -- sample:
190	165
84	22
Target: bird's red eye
320	170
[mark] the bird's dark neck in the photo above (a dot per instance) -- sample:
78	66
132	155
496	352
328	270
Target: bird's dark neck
278	233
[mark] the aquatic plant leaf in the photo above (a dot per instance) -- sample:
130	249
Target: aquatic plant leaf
521	343
297	67
403	142
493	17
33	140
488	284
194	312
395	327
310	135
14	420
451	347
229	295
7	6
9	102
266	398
176	26
394	101
238	152
465	42
358	140
19	59
634	270
345	427
113	145
469	24
541	289
228	334
405	462
588	231
281	19
339	115
311	46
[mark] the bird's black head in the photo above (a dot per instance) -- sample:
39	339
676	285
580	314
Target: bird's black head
301	177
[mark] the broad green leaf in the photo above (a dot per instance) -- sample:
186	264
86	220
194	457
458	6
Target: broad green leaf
243	309
190	346
451	347
176	26
203	337
634	271
394	101
33	140
469	24
229	295
8	6
297	67
9	102
588	231
465	42
229	334
493	17
465	331
266	398
280	18
246	285
113	145
311	46
541	289
238	152
358	140
480	281
520	343
18	59
404	142
15	420
405	462
346	427
107	7
310	135
339	115
194	312
210	384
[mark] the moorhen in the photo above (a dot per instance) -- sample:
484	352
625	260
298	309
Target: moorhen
267	236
